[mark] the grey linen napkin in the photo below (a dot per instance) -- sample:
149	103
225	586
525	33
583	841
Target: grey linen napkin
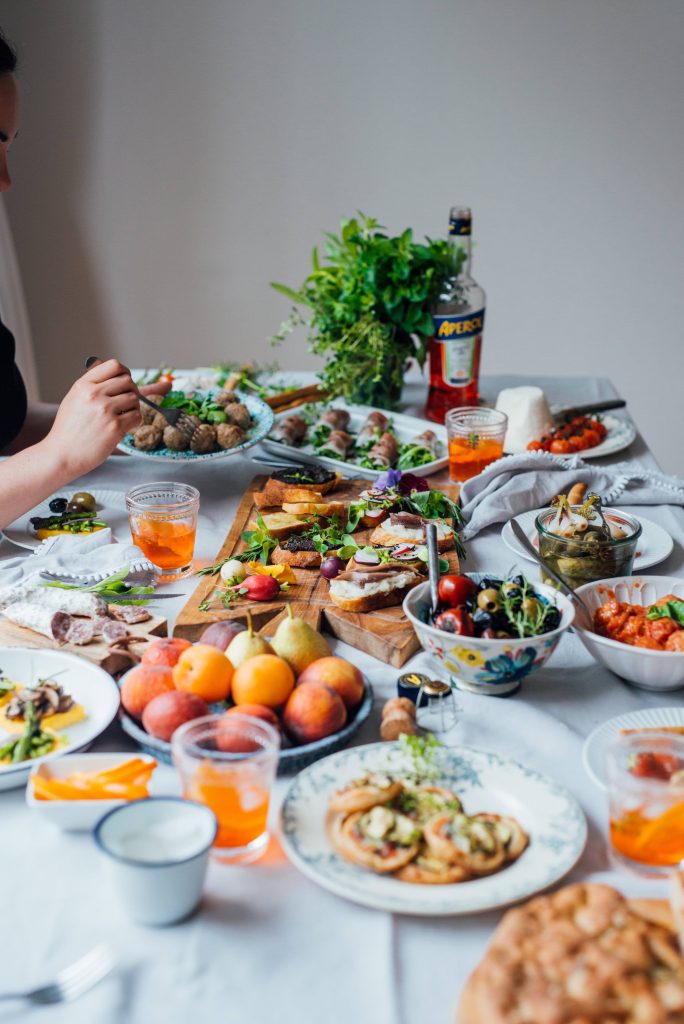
519	483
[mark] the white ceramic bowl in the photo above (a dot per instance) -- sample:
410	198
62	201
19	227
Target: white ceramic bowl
158	851
494	667
649	670
76	815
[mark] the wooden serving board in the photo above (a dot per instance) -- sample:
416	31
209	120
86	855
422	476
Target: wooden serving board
385	633
112	661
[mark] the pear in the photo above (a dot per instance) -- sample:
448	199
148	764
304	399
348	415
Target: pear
298	643
246	645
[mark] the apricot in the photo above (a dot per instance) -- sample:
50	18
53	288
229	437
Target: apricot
166	651
230	733
219	634
339	675
165	713
142	684
204	671
312	712
263	679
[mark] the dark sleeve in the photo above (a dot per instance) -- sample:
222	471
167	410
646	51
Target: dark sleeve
12	390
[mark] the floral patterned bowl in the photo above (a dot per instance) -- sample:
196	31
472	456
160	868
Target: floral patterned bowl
494	667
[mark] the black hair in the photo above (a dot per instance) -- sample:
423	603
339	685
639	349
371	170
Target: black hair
8	58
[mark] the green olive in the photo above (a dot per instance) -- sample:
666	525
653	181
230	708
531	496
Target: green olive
501	634
532	607
510	590
82	502
488	600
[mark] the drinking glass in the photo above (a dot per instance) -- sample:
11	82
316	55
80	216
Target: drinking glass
646	801
476	439
163	518
229	764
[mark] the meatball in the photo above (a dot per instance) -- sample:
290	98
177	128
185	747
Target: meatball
225	397
159	421
147	438
203	439
228	435
149	415
175	439
238	413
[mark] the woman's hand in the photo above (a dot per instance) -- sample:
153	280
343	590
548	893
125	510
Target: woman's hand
94	415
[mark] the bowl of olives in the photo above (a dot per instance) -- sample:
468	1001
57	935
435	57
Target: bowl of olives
489	633
584	549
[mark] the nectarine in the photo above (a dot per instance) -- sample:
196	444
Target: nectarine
231	734
339	675
142	684
204	671
165	651
263	679
165	713
312	712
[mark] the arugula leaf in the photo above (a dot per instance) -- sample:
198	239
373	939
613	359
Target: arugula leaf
433	505
670	610
260	543
111	587
413	455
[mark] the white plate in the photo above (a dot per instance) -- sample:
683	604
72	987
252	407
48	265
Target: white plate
87	683
262	421
405	427
485	782
597	743
655	543
111	508
620	435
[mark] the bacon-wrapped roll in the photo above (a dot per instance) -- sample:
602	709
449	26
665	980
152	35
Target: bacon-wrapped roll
331	419
376	423
384	452
338	445
423	448
290	430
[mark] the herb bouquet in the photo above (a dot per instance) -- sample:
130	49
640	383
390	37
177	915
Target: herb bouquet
369	308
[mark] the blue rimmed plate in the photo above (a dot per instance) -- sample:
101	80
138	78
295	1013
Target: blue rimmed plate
550	815
262	421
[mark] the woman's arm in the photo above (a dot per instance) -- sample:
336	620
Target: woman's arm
99	409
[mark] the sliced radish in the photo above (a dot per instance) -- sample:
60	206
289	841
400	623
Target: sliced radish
374	514
403	551
367	558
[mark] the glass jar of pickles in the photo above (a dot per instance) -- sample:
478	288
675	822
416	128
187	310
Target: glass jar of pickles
582	549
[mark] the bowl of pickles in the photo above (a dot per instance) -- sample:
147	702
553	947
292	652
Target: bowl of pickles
585	543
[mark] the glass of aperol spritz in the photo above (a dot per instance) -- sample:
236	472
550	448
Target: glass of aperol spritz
645	773
475	439
228	762
163	520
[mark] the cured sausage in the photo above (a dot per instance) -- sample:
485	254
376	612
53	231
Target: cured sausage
130	613
51	623
76	602
113	632
80	631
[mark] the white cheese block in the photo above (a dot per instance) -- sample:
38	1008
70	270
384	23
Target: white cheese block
529	416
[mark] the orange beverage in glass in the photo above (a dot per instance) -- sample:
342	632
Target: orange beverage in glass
228	763
163	518
646	795
475	439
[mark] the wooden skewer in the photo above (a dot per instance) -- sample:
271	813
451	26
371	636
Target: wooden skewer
302	400
286	398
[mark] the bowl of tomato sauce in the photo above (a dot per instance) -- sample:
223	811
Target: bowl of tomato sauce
638	629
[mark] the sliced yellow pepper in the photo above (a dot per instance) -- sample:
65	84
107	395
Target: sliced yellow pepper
283	573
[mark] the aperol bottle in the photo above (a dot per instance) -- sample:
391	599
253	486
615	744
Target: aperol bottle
454	350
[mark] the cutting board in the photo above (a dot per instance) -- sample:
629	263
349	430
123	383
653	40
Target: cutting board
385	633
112	661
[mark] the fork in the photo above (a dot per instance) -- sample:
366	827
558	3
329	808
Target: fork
174	417
72	982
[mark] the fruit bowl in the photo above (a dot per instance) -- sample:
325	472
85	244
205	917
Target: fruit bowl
493	667
292	759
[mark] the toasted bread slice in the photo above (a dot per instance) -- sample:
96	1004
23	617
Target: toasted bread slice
274	493
280	524
382	536
298	559
326	509
371	602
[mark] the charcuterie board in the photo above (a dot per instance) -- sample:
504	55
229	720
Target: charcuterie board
98	651
384	633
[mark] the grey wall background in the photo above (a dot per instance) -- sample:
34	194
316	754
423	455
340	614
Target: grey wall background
175	157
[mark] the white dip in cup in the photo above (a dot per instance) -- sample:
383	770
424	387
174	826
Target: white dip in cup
158	851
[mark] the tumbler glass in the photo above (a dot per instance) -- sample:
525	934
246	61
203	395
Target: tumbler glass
476	438
163	518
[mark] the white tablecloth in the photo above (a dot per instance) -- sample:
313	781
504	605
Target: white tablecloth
268	945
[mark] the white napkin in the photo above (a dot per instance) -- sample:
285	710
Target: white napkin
519	483
87	557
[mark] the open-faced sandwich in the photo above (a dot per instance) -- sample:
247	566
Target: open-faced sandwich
299	483
363	587
408	528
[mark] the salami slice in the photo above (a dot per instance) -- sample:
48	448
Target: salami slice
80	631
53	624
130	613
99	622
113	631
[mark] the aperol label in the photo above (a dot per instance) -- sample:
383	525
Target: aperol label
460	338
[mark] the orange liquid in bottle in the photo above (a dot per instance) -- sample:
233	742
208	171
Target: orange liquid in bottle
168	545
656	841
469	456
443	396
239	802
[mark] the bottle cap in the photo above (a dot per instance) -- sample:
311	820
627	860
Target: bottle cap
460	221
410	683
436	688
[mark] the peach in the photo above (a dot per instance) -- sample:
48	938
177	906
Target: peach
263	679
204	671
339	675
313	711
165	713
165	651
219	634
142	684
229	732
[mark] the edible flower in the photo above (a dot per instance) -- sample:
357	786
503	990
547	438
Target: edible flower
283	573
403	482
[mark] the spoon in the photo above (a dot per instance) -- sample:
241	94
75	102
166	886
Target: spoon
533	553
433	566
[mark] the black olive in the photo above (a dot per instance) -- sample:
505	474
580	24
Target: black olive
488	582
518	580
552	620
482	619
58	505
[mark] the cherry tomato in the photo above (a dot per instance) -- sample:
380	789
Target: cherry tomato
535	446
655	766
455	620
590	438
560	447
455	590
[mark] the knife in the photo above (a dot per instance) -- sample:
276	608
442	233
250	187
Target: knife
586	410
